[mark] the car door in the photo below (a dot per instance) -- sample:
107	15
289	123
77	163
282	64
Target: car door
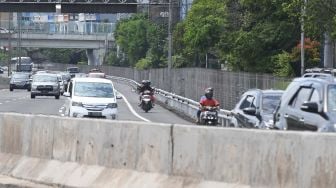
243	119
68	101
312	120
294	115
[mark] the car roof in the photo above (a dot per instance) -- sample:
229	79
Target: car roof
89	79
324	76
266	91
47	74
311	79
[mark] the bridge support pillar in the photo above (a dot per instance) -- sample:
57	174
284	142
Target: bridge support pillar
95	56
91	57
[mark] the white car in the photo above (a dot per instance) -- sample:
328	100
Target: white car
91	97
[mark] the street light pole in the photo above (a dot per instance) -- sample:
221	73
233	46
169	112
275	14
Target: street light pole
302	37
170	43
19	43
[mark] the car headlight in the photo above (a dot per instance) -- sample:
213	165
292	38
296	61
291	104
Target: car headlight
112	105
77	104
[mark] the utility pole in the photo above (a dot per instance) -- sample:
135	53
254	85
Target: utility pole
19	42
9	44
302	37
170	43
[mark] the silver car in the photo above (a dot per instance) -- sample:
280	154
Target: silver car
45	84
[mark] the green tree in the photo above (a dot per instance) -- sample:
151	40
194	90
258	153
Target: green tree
202	28
139	38
263	30
71	56
3	58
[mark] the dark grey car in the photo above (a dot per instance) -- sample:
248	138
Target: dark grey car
308	104
19	81
255	109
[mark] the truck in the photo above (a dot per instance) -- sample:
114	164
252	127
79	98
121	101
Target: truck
26	64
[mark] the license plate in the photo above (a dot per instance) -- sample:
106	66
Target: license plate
95	114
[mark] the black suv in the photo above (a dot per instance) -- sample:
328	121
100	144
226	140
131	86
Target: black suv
308	104
255	109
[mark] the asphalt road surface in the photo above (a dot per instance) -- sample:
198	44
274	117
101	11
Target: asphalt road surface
19	101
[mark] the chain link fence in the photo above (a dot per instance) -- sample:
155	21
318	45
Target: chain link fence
191	82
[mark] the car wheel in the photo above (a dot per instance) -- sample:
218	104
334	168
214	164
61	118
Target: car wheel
234	122
29	89
11	89
32	96
57	96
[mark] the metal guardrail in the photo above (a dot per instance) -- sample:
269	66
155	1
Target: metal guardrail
224	116
64	28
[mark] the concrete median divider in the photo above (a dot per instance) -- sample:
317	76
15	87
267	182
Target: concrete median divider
4	83
69	152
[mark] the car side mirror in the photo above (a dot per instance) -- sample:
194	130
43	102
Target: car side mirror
310	107
66	94
250	111
118	96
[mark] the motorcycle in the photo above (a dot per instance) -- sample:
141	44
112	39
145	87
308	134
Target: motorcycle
209	115
146	101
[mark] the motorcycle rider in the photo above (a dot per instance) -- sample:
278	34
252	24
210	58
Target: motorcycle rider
145	85
206	100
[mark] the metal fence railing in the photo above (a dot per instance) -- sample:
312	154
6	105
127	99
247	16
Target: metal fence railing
185	106
191	82
68	27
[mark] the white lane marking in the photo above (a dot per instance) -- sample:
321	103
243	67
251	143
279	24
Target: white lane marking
0	103
7	101
132	110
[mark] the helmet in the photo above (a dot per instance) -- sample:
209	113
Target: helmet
210	89
208	93
146	82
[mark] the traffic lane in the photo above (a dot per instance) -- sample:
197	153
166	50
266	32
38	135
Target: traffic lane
19	101
124	113
157	114
7	96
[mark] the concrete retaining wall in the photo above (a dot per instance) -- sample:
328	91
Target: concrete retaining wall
4	83
97	152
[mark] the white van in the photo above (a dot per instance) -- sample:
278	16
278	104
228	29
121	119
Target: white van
91	97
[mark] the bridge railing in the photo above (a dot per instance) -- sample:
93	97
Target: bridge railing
69	27
178	103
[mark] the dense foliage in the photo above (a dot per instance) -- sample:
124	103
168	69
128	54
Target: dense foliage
141	43
67	56
244	35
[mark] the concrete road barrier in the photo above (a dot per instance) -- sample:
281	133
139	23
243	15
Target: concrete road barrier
4	83
100	153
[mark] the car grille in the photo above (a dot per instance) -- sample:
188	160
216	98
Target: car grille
44	88
94	107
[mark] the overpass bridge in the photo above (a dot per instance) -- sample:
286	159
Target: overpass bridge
95	37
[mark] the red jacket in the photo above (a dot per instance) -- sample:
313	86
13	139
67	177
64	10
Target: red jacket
209	102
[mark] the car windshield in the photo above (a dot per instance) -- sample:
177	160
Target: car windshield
270	102
20	76
45	78
93	89
331	98
73	70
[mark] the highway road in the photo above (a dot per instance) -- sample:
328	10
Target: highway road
19	101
